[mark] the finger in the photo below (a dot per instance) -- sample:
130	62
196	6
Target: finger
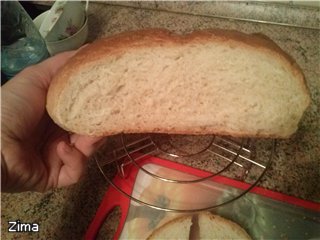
53	64
41	74
86	144
74	164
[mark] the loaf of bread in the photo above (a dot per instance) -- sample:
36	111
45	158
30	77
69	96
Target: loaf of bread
209	226
154	81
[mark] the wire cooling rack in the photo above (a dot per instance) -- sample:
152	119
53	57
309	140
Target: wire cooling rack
244	159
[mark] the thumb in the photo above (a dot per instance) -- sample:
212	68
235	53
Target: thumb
73	164
86	144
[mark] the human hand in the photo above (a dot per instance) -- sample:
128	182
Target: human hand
36	154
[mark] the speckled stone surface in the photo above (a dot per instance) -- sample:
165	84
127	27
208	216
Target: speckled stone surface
280	12
66	213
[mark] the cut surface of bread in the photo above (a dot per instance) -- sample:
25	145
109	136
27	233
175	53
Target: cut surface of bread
178	229
216	227
209	226
207	82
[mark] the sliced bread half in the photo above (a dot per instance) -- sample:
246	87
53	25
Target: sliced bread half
207	82
216	227
209	226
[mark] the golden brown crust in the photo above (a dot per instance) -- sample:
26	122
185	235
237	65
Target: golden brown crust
120	43
199	132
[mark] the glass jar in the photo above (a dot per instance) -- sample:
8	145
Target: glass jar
21	42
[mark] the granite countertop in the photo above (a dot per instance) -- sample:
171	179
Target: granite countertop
295	170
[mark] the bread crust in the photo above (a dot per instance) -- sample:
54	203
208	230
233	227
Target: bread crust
118	44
